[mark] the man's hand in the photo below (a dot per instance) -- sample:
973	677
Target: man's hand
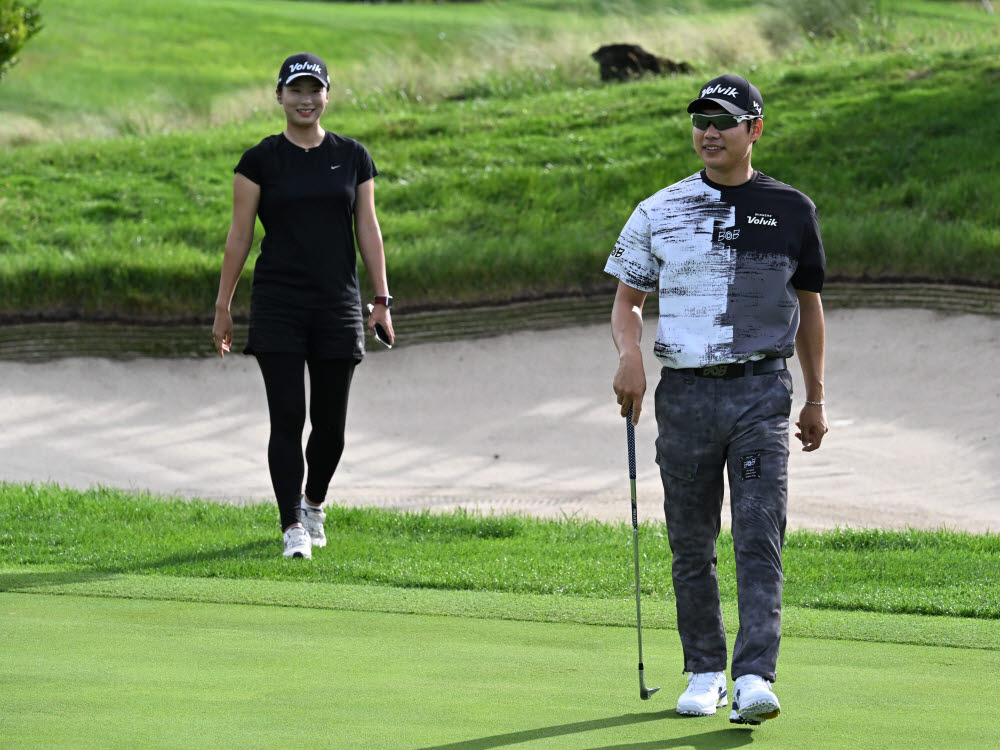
630	382
812	426
626	330
810	348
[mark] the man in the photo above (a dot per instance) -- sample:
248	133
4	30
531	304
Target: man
738	264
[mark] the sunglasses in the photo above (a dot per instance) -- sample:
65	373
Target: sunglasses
721	122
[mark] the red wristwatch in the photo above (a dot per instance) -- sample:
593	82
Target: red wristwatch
380	299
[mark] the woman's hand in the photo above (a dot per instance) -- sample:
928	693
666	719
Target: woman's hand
222	331
380	314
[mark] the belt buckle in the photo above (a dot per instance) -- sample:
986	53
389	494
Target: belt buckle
715	371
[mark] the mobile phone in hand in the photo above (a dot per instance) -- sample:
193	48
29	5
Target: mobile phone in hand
380	333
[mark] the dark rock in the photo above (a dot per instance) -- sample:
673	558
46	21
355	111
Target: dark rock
623	62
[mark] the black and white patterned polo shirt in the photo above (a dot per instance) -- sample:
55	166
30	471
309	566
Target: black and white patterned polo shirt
727	262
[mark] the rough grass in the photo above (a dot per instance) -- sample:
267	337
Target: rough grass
490	199
110	531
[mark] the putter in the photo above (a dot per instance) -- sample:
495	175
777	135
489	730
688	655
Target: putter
644	692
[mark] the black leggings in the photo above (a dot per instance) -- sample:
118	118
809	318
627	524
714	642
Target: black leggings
329	387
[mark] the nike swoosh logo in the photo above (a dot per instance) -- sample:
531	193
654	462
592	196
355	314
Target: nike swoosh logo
337	166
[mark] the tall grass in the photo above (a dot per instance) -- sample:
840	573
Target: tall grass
867	21
143	67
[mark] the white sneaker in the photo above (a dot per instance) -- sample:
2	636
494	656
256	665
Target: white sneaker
297	543
705	692
753	701
312	521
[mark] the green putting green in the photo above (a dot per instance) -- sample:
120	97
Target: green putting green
85	672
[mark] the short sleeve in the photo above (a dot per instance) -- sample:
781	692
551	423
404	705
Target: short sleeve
632	261
250	165
811	271
366	167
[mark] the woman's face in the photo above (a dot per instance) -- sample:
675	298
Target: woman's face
304	100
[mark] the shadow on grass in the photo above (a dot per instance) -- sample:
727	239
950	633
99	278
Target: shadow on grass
41	580
723	738
717	740
25	581
241	551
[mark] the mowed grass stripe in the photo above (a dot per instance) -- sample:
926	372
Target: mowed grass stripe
105	531
85	673
658	612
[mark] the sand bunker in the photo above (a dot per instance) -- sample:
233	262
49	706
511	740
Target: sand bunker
527	423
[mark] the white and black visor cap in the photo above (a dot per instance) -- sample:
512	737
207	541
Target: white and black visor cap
734	94
303	64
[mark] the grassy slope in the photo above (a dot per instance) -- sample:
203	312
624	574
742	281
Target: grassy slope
142	66
497	197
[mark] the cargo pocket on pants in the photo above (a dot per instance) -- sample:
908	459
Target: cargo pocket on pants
686	471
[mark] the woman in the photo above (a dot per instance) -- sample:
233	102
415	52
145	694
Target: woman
314	193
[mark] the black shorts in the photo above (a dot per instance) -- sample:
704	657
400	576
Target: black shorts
313	333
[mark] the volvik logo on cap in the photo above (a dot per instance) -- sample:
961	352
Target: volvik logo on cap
735	94
303	64
307	67
729	91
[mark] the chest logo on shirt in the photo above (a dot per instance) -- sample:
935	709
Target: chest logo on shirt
335	166
763	220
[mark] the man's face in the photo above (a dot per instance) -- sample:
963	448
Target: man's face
723	151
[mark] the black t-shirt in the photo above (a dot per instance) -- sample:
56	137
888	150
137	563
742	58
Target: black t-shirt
726	262
308	257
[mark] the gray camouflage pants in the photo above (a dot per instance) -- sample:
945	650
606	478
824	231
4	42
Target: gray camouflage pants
706	425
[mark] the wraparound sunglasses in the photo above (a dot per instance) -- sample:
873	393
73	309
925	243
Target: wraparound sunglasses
721	122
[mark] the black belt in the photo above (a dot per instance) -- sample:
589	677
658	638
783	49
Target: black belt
738	369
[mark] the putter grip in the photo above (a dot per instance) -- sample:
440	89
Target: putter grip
630	437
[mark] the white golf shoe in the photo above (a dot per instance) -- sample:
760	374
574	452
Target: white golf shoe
297	543
753	701
312	521
706	691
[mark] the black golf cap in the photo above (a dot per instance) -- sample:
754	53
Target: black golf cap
303	64
734	94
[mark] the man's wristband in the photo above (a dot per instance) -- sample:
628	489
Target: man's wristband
816	403
383	299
